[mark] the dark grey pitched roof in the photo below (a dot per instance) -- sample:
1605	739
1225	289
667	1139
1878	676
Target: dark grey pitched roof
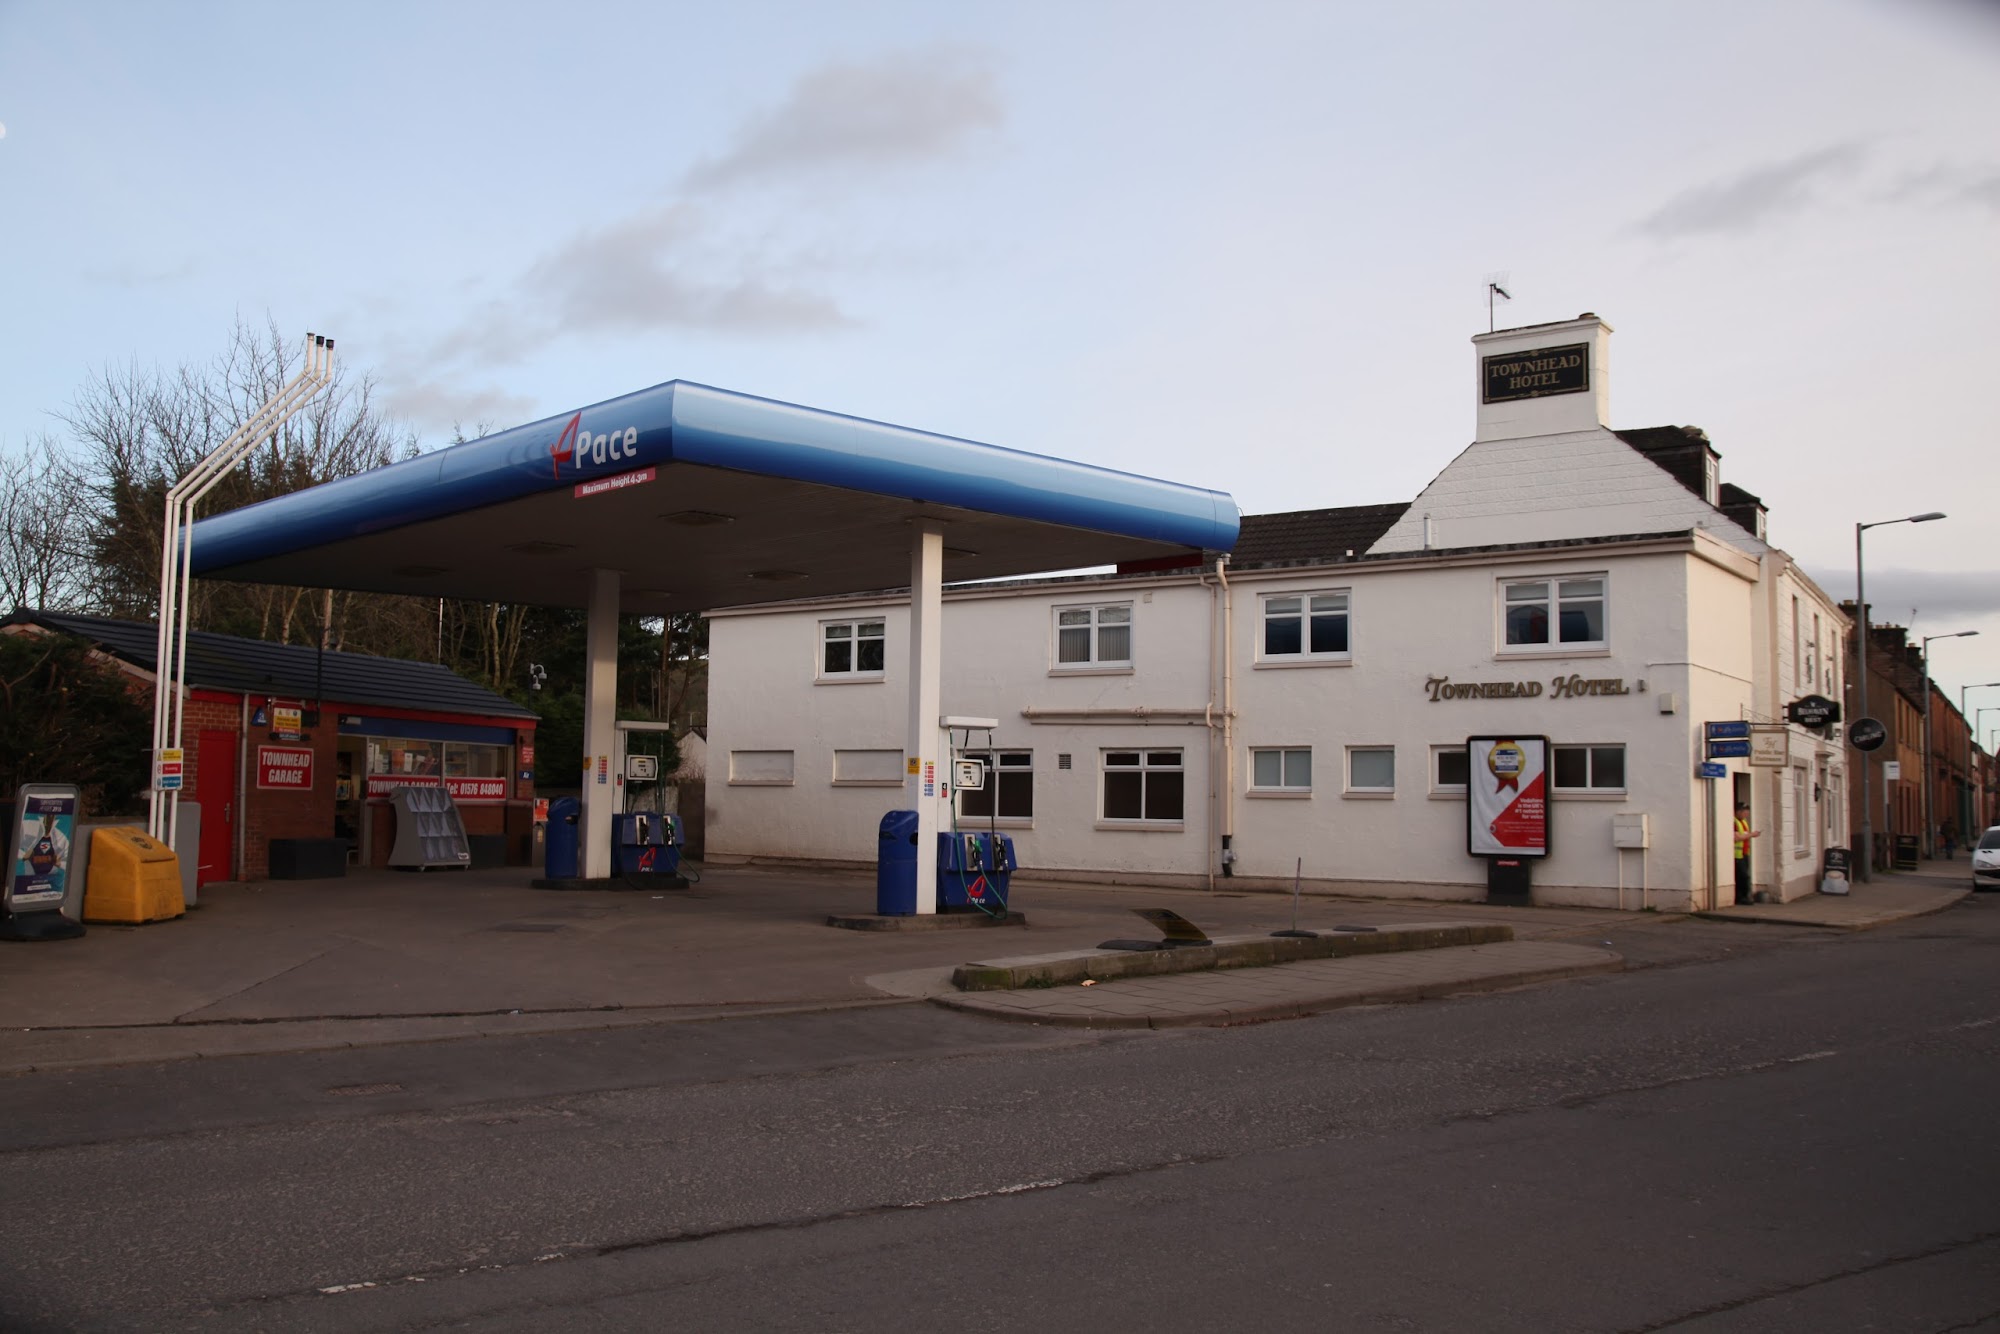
1312	535
258	667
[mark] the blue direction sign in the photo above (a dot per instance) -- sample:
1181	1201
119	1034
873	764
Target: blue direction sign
1728	749
1735	730
1710	769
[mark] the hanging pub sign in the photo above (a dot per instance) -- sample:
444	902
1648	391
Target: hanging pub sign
1507	796
1536	374
1867	734
1813	711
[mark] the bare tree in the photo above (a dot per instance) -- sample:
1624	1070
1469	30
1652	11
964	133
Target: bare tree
141	429
44	530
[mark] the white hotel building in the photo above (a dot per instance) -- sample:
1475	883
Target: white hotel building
1304	702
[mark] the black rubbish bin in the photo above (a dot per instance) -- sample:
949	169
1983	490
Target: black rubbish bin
896	865
559	857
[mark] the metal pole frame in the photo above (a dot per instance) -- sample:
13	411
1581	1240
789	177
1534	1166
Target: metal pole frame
176	555
1971	743
1865	868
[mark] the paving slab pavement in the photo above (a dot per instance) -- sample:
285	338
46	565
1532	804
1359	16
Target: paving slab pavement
1885	899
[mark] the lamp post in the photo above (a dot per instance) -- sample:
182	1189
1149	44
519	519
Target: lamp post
1971	739
1867	867
1930	780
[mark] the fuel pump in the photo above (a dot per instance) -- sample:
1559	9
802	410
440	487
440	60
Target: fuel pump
974	868
645	841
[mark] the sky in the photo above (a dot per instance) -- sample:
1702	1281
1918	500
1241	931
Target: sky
1236	245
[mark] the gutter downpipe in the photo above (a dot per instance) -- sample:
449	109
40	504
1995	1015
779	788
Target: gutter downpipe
1228	857
1208	722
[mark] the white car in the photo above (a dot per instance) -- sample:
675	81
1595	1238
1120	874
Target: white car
1986	860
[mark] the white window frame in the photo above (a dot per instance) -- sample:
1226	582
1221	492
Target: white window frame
1590	768
1000	761
1285	786
1353	789
1440	788
1553	600
1096	626
1145	766
853	672
1305	598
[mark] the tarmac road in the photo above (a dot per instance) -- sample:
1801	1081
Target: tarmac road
1795	1134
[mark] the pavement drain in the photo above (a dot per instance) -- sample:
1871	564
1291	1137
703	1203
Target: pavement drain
363	1090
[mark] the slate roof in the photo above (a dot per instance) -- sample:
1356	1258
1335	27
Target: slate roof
257	667
1312	536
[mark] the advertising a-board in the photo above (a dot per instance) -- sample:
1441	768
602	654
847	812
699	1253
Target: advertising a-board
44	825
1507	796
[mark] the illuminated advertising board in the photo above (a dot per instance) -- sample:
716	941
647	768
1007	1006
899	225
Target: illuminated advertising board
1507	796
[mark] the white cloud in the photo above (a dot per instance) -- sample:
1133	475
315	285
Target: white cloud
900	108
1751	197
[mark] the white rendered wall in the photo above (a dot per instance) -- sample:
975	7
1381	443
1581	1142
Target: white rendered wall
1675	621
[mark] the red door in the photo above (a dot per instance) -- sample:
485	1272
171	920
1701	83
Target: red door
215	789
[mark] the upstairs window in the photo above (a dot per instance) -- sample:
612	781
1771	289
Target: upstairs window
1302	626
851	650
1094	636
1554	613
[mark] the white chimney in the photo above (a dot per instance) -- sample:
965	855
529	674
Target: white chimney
1543	379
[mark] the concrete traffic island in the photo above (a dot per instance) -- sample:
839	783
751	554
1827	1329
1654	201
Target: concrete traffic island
942	921
1104	965
1245	979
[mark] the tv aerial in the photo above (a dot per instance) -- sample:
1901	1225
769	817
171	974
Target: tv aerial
1498	287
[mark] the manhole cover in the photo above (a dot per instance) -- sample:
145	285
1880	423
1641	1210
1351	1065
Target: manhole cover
363	1090
529	926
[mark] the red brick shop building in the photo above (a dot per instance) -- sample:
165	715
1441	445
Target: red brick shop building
287	742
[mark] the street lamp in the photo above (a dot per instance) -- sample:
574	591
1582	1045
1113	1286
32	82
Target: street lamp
1867	867
1972	814
1929	778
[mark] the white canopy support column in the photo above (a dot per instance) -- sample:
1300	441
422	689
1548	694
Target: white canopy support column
926	781
600	725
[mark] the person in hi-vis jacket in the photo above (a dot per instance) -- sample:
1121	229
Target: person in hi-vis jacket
1744	833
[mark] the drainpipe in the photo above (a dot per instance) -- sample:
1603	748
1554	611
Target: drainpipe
1228	857
242	790
1208	840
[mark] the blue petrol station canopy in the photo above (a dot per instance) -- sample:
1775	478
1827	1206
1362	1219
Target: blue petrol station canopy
703	498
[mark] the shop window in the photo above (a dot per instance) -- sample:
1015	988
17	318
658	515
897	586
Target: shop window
1371	770
467	759
760	768
1145	786
1094	636
1286	769
851	650
1554	613
1589	768
1303	627
1451	769
1010	778
404	757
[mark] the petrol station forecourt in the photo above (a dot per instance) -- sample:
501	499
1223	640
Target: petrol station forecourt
683	497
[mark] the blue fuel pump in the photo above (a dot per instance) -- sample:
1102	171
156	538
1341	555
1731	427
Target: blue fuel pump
645	843
974	870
